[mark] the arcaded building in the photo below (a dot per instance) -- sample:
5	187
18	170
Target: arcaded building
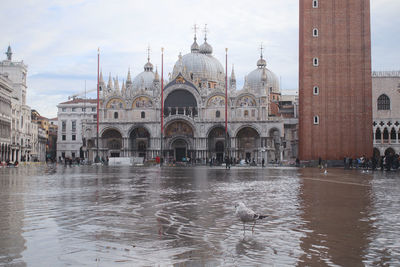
194	114
335	88
386	112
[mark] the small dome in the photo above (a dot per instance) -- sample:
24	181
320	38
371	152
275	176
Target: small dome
195	47
206	48
262	80
261	63
148	66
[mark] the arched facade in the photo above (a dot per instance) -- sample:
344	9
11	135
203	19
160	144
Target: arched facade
193	113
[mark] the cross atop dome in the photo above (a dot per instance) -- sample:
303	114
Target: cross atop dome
195	28
261	49
205	32
148	53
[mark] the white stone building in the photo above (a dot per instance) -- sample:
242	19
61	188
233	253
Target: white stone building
386	112
71	116
5	118
21	132
194	114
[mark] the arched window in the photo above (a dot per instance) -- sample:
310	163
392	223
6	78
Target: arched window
315	32
315	62
316	120
143	115
385	135
246	113
115	115
378	134
315	4
393	135
316	90
383	102
217	114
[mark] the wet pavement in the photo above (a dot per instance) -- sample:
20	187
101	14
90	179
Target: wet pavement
125	216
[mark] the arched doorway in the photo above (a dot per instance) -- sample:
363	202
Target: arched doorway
377	153
180	149
389	151
179	135
248	142
216	144
139	142
111	143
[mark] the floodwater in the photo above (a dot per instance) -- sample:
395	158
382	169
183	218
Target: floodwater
125	216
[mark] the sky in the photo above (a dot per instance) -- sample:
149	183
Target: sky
58	40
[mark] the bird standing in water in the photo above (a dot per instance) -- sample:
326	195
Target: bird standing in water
246	214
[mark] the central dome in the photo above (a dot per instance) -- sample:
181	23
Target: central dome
200	64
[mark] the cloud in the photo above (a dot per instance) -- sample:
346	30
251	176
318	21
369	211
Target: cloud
59	39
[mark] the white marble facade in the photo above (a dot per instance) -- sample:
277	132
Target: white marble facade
194	114
386	112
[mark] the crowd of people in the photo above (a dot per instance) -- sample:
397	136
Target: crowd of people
387	162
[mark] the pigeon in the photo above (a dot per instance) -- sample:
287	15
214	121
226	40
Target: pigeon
246	214
325	172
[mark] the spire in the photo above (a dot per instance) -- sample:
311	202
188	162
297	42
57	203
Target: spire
195	47
9	53
148	66
233	77
128	78
109	85
205	32
101	81
232	80
261	63
123	88
156	76
116	85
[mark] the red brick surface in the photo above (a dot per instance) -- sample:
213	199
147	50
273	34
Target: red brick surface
344	103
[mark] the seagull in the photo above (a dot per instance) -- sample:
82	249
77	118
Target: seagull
246	214
325	172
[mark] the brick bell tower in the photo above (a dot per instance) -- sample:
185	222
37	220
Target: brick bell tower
335	86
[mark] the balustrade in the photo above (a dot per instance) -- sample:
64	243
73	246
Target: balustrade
185	111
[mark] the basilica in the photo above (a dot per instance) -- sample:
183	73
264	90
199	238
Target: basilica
261	122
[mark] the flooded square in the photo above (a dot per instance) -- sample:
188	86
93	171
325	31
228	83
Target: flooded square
126	216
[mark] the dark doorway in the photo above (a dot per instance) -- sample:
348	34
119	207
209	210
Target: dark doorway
219	149
180	153
248	156
114	154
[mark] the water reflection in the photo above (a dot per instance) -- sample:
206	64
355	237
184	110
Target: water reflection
185	217
335	219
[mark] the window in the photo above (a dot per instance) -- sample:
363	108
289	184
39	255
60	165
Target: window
217	114
64	126
64	137
63	154
115	115
315	3
73	154
315	32
83	109
73	137
316	120
253	113
73	109
64	109
316	90
246	113
315	62
143	115
383	102
93	109
73	126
